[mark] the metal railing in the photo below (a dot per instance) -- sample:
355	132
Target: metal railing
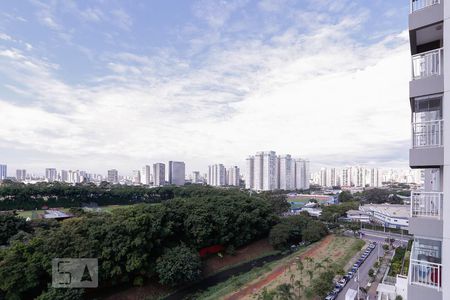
425	273
427	134
427	204
421	4
427	64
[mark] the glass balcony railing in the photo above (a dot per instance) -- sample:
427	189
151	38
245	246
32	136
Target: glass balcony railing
421	4
427	204
427	64
427	134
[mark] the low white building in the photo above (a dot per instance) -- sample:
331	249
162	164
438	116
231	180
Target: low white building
388	215
358	216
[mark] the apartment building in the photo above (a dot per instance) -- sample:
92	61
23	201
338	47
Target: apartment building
113	176
177	173
217	175
429	30
266	172
159	174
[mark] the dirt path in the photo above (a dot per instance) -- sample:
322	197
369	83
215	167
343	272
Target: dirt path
256	286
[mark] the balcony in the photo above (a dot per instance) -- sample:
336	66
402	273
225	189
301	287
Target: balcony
417	5
425	264
427	64
428	134
427	204
426	274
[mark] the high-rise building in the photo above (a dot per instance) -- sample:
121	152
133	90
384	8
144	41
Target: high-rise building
146	175
346	177
233	176
3	172
286	175
64	176
250	173
217	175
159	174
266	172
113	176
177	173
429	94
302	174
136	177
51	174
21	174
196	177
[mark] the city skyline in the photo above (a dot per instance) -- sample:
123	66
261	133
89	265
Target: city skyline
75	73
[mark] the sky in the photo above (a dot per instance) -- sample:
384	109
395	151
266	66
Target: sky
95	85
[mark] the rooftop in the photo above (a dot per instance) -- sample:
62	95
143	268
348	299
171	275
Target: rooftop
390	210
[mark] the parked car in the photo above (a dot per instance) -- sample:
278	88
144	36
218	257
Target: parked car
331	297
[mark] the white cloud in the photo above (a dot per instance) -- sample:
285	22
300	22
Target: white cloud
319	94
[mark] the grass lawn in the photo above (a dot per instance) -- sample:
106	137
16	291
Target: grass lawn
339	249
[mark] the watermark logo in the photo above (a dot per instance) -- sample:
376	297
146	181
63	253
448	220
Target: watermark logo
74	273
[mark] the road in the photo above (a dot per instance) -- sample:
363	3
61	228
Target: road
380	237
363	272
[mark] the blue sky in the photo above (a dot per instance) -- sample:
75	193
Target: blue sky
101	84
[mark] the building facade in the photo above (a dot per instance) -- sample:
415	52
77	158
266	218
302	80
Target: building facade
159	174
233	176
136	177
21	174
146	175
286	173
177	173
266	172
217	175
51	174
429	31
113	176
250	173
3	172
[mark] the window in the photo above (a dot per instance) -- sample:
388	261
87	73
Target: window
428	108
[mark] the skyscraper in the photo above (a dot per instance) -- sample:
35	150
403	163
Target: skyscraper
136	177
146	175
233	176
21	174
302	174
159	174
177	173
286	173
196	178
429	94
217	175
250	173
113	176
3	172
51	174
64	177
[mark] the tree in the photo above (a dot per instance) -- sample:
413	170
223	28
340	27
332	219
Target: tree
280	235
345	196
278	202
10	224
371	273
178	265
314	231
323	283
